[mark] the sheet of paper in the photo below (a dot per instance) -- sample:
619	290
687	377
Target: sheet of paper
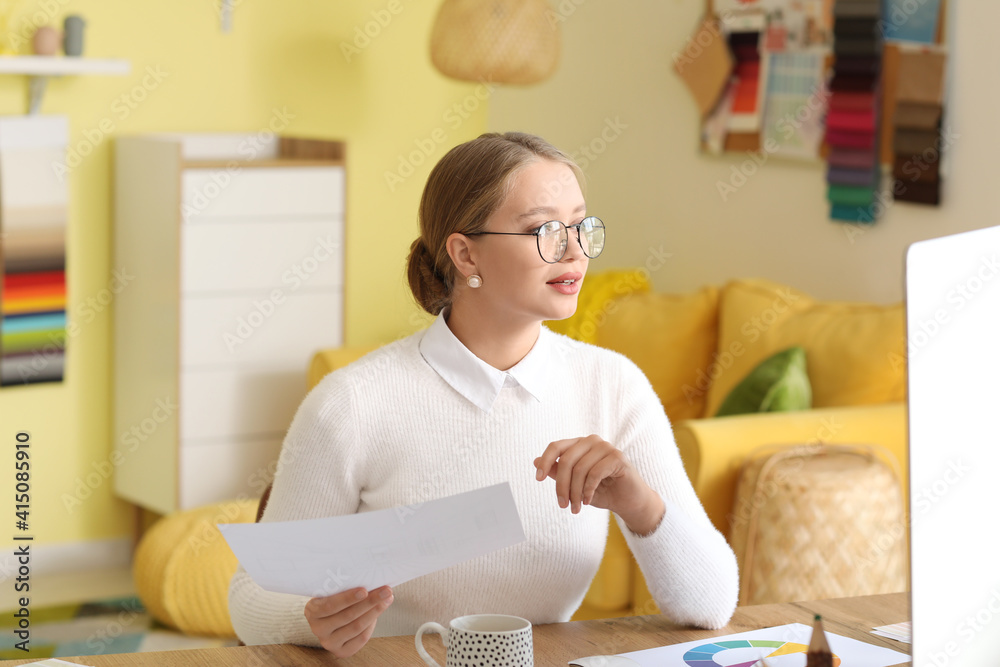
783	646
319	557
901	632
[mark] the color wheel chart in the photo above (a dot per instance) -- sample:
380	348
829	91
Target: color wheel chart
747	653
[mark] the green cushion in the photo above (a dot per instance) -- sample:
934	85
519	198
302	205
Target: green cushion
779	383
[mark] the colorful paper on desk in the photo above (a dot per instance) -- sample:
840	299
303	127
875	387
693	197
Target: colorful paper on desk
783	646
319	557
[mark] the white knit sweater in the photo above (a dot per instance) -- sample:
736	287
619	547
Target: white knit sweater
389	430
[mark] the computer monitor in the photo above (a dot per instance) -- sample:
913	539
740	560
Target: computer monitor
953	340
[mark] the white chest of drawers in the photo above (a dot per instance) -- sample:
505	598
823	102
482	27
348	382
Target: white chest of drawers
236	271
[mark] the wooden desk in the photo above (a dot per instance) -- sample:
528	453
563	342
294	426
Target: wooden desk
555	644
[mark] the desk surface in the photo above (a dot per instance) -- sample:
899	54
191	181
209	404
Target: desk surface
557	643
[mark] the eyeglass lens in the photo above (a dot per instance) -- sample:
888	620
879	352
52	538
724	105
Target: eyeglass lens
553	238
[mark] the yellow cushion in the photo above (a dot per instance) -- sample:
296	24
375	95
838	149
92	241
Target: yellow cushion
713	450
672	338
596	299
849	346
331	359
183	565
610	591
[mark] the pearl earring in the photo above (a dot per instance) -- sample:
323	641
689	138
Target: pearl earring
474	281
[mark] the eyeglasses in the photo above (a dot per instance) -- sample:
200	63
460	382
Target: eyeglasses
552	238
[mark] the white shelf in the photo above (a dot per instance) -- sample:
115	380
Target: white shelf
39	68
59	65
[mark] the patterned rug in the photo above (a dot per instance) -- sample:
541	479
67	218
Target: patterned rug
96	628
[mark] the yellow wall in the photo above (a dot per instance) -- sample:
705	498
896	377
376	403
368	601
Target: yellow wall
385	102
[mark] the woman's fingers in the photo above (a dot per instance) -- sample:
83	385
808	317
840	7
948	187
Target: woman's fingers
345	621
334	604
547	460
568	469
578	466
356	632
354	644
586	469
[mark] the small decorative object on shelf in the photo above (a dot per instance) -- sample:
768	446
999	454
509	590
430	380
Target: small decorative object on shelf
46	41
73	35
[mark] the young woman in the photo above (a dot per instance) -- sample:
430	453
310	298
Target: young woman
486	395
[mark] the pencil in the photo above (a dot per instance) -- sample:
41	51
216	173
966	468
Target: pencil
818	654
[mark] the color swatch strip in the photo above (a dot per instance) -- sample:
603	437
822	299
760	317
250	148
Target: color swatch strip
852	126
33	215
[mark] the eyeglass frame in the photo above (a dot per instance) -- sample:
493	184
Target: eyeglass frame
537	235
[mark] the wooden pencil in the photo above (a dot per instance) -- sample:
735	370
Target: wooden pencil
818	654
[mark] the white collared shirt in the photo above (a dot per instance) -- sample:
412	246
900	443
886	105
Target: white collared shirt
475	379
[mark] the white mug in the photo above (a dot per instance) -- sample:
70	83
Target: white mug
482	639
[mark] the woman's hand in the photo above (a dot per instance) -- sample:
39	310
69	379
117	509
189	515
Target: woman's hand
344	622
591	471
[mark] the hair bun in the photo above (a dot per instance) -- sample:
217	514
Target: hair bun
427	284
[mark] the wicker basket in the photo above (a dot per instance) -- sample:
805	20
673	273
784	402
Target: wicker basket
816	522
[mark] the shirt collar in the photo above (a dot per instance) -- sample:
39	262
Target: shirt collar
476	380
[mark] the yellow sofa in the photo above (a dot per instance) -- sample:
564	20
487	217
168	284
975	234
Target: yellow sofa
695	348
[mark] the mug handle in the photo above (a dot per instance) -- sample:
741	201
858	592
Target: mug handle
418	640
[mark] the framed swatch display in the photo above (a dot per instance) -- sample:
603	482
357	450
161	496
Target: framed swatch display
33	215
857	84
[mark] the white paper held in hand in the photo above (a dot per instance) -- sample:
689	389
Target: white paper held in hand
320	557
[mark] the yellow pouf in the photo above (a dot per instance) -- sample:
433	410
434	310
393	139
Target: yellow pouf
182	568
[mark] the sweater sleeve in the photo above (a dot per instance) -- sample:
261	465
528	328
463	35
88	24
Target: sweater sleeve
317	475
689	567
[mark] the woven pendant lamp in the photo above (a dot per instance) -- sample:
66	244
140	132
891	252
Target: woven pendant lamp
503	41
